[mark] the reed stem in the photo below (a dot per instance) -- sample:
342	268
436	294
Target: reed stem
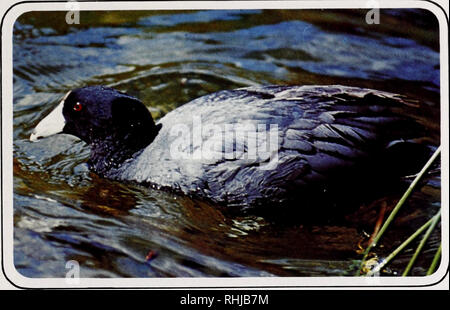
398	206
400	248
435	261
422	243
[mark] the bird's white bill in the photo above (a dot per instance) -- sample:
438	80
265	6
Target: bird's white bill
51	124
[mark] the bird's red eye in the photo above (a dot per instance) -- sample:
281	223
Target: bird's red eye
78	107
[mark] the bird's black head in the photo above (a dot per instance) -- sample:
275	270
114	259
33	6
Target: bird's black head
113	123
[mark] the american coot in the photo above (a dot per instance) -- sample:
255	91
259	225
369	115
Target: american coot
257	146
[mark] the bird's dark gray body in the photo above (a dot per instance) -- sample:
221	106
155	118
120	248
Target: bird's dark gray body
325	136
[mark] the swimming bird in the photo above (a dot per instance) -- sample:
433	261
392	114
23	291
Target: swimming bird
249	148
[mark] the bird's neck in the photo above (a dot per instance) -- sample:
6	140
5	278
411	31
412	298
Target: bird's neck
109	154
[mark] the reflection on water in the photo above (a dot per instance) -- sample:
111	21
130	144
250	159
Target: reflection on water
63	212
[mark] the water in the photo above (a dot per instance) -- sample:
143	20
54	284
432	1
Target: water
64	212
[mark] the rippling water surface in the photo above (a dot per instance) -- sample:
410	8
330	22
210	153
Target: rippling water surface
63	212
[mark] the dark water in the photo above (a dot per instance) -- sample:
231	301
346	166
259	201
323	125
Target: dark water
63	212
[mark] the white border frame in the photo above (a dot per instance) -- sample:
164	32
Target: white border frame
258	282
